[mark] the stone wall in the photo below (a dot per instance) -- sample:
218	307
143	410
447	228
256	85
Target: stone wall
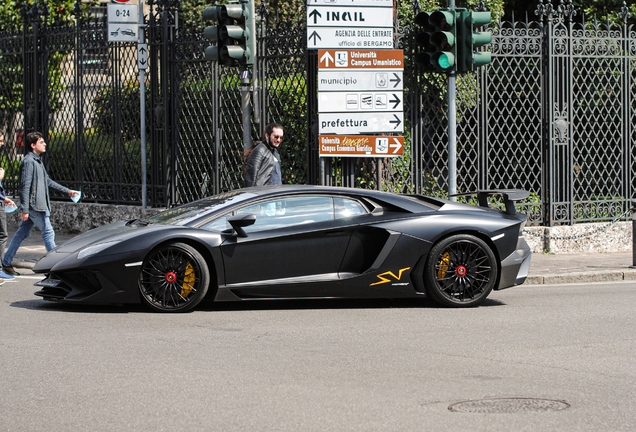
592	237
580	238
73	218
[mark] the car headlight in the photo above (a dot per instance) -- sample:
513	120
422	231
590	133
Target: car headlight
92	250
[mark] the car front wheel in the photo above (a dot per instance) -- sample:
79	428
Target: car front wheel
173	278
461	271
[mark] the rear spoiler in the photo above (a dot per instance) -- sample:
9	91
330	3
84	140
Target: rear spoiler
509	196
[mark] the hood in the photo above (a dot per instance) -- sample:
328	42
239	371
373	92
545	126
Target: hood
114	231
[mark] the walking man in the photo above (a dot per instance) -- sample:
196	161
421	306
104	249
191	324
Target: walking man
6	201
35	205
263	163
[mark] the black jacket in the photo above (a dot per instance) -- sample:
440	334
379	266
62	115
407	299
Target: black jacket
260	165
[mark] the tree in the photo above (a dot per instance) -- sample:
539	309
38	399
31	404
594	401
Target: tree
15	14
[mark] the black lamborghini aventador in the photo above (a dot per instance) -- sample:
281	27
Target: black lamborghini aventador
296	242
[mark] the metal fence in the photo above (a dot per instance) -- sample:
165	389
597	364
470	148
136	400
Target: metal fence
552	114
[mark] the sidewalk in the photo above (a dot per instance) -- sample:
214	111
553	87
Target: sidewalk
544	268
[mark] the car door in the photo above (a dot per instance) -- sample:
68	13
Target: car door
294	248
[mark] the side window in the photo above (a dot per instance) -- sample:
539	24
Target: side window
285	212
219	224
281	213
345	208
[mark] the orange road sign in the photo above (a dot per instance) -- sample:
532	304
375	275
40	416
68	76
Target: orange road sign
361	59
360	145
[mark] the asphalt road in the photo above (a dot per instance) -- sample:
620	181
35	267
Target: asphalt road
532	358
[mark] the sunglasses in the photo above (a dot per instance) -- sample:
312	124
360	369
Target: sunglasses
280	137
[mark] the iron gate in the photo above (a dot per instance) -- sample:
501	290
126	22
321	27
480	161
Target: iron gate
552	114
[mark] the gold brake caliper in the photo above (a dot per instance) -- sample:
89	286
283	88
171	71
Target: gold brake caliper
444	263
189	279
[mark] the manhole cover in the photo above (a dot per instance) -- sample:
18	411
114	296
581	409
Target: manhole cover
508	405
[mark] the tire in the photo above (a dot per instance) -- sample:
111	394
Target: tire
173	278
461	271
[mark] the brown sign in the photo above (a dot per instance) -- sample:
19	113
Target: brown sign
360	59
361	145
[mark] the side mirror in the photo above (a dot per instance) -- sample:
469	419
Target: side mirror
240	221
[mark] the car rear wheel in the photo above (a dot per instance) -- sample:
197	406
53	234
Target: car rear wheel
461	271
173	278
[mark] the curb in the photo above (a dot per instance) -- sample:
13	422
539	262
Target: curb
582	277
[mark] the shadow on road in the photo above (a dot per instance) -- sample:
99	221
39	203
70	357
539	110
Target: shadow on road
210	306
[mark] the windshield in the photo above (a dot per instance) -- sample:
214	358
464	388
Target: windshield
187	213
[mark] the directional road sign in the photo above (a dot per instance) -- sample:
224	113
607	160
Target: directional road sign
350	24
359	101
360	123
359	37
360	59
360	80
142	56
361	145
344	16
356	3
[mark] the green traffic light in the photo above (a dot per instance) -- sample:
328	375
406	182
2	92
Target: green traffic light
234	33
443	60
469	40
439	40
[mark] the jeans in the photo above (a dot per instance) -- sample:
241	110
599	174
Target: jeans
39	219
3	230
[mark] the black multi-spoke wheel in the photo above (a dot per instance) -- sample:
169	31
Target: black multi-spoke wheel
173	278
461	271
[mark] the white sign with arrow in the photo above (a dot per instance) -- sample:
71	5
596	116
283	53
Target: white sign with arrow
356	3
142	56
359	101
360	123
360	80
348	17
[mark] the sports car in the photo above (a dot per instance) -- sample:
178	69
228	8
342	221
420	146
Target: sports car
296	242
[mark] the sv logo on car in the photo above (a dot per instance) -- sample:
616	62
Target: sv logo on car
389	276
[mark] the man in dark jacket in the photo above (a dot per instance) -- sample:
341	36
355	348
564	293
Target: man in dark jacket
263	163
35	205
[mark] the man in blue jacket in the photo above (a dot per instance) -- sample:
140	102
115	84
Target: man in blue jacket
35	205
6	201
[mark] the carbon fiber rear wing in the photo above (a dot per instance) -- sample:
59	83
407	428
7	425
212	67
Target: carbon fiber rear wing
509	196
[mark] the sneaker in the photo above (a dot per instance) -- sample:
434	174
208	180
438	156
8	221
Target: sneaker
6	276
1	282
10	270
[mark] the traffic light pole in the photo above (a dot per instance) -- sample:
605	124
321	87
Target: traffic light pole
452	129
142	110
245	109
452	135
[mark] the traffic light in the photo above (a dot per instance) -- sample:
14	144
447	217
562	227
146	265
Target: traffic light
438	39
234	33
423	38
469	57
